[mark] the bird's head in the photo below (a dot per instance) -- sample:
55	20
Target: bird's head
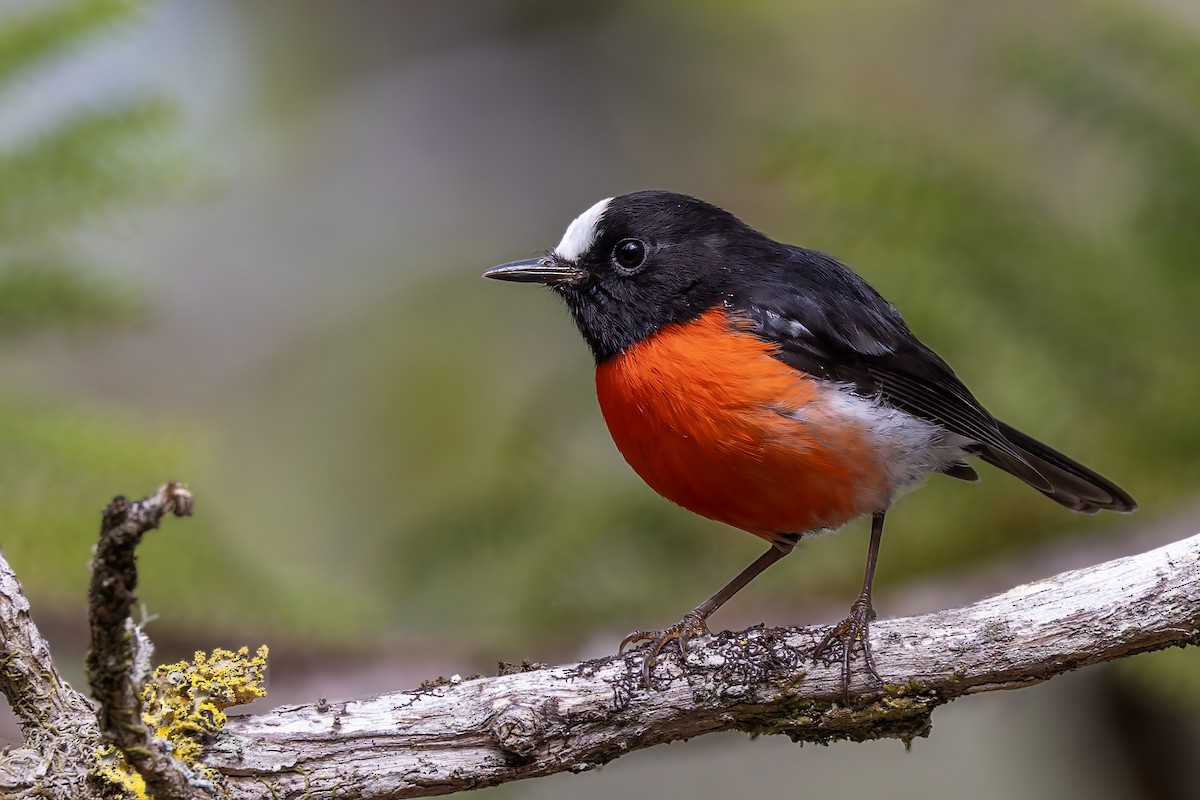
631	265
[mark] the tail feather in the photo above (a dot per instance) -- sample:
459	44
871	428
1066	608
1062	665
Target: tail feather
1065	481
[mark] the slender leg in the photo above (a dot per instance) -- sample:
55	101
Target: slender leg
693	622
857	626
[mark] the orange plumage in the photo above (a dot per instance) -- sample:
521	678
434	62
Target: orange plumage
711	421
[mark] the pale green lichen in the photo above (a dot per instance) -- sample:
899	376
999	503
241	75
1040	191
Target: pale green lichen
184	703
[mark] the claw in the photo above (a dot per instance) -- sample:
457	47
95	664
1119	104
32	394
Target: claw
854	628
691	625
636	636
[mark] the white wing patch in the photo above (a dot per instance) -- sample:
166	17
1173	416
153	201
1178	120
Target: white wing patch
581	232
909	448
792	327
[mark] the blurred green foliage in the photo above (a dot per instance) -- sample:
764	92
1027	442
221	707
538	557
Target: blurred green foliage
1021	183
422	457
1063	318
61	460
1068	308
85	166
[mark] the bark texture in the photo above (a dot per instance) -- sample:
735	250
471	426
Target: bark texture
119	660
58	723
455	734
462	734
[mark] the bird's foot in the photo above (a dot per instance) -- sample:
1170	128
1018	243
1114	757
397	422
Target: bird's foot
855	628
692	624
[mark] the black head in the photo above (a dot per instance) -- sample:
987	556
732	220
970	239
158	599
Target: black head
631	265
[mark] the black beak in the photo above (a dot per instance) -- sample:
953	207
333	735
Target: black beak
546	270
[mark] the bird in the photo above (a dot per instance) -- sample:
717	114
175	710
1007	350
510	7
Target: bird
769	387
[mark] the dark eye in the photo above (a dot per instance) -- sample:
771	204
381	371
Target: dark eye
629	255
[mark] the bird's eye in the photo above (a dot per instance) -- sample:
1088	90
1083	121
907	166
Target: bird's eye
629	255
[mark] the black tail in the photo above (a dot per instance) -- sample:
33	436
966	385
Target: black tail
1070	483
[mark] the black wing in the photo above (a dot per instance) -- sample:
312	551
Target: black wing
829	322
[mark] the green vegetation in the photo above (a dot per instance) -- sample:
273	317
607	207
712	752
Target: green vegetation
1024	184
1065	312
58	464
1055	272
84	167
61	460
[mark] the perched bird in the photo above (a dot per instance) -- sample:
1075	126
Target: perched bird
769	387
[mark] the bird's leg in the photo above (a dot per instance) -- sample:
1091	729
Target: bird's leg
693	622
857	626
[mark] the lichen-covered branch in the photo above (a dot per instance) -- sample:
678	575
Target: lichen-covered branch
456	734
118	662
462	734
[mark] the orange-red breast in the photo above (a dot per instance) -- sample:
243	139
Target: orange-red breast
770	387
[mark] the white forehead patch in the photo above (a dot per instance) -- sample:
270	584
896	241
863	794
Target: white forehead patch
581	232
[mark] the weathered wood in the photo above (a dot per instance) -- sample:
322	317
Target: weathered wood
458	734
58	723
464	734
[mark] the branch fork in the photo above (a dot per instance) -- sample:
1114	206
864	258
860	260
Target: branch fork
456	734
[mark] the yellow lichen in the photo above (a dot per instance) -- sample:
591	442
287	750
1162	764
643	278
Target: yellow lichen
112	768
184	703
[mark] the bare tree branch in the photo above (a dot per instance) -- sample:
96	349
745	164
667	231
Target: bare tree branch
457	734
58	723
460	735
28	678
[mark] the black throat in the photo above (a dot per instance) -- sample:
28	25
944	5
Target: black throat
610	326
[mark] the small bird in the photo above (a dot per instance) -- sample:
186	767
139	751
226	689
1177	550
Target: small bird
769	387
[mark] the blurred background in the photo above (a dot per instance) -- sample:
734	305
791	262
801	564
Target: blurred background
240	246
